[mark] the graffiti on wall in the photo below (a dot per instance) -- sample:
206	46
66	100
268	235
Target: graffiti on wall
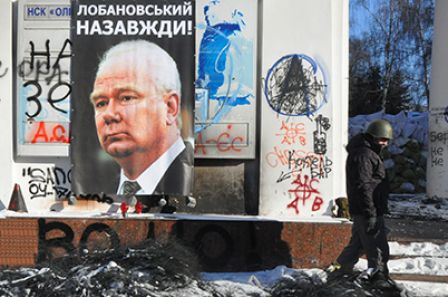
300	168
223	137
296	160
291	153
225	84
43	79
46	89
305	191
216	244
292	133
438	142
44	182
3	70
438	139
65	242
295	86
320	134
47	183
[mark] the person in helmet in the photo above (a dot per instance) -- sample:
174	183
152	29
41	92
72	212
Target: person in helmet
368	192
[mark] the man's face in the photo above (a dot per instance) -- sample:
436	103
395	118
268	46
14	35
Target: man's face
382	142
130	115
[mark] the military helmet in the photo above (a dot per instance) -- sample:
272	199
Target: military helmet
380	129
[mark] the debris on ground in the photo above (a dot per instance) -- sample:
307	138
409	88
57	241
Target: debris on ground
155	269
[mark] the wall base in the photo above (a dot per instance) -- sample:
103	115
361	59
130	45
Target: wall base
221	245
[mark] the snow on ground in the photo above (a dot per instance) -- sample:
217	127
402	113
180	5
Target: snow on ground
434	262
403	266
425	289
418	265
251	281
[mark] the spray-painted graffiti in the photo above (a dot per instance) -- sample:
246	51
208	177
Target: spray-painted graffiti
43	182
295	86
59	90
296	161
4	71
437	156
44	94
320	136
52	181
438	141
293	133
216	243
439	114
225	68
297	164
319	167
280	157
42	132
65	241
226	138
225	73
304	190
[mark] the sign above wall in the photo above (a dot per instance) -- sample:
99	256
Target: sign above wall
225	109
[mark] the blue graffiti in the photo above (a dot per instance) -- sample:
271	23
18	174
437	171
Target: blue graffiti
213	56
220	68
296	86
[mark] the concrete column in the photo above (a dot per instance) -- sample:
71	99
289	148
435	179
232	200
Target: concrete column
437	170
6	151
304	107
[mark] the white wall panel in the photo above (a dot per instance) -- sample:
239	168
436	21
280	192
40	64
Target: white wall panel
304	107
437	169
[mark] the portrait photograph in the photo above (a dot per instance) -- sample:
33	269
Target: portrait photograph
132	99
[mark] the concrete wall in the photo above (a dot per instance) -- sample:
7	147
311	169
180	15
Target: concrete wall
304	106
220	245
230	184
6	105
437	169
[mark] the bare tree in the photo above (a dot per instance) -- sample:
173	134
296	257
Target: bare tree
418	25
398	39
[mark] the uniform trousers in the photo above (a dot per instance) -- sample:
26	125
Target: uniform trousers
374	246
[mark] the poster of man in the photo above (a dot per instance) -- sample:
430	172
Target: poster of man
131	121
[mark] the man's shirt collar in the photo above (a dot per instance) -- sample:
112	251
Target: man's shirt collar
151	177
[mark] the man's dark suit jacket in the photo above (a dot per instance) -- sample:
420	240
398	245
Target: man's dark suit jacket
178	179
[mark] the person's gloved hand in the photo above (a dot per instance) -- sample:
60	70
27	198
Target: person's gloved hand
371	226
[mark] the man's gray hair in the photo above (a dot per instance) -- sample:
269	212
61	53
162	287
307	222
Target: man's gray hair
166	74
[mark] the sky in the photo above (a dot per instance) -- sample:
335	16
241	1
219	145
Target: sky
358	19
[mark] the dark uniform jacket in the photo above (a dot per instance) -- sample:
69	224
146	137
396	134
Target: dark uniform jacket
367	184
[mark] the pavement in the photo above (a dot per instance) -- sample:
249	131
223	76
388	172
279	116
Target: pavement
413	230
